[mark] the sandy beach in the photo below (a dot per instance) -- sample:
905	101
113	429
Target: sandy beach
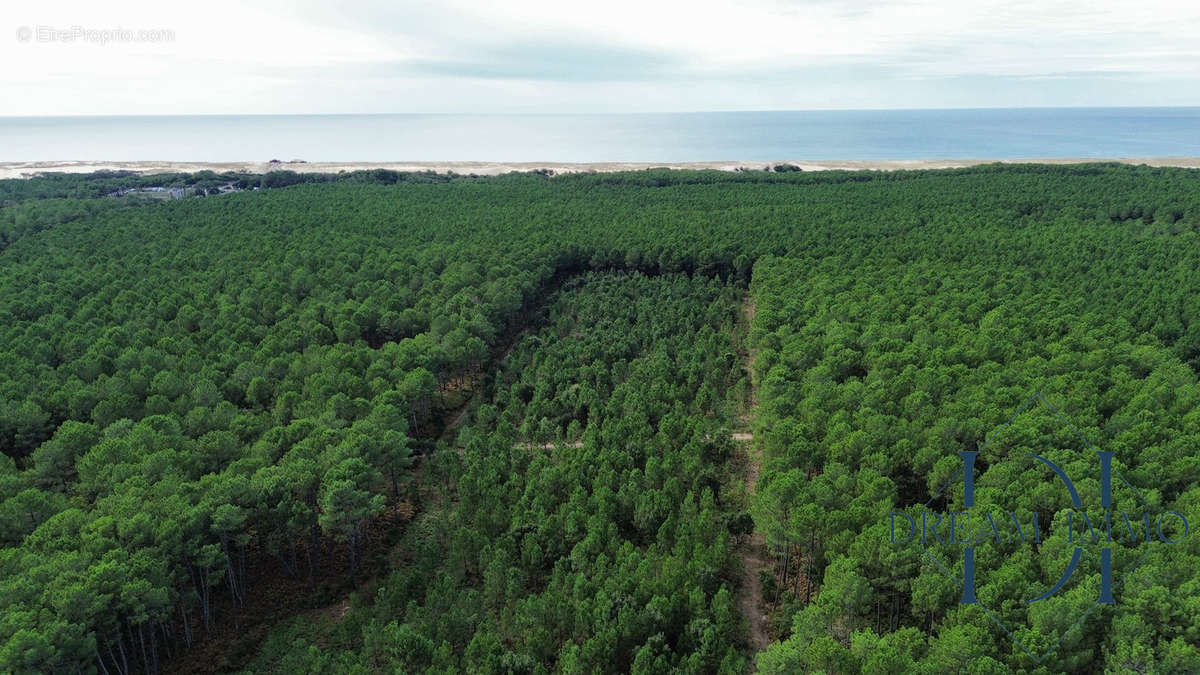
30	169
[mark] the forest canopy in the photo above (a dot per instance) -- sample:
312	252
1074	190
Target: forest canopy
497	416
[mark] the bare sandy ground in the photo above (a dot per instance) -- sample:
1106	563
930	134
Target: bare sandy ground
30	169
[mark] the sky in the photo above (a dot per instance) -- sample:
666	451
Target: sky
554	56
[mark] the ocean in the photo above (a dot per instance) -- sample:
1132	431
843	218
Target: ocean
1027	133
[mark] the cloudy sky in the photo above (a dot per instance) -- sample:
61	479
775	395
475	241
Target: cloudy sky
319	56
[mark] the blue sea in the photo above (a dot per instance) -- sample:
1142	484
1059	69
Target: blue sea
1026	133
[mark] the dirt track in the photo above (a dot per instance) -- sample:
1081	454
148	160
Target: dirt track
750	599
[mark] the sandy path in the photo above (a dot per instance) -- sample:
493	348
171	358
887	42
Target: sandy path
750	596
548	446
737	436
29	169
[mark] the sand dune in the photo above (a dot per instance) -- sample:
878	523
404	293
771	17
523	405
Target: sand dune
29	169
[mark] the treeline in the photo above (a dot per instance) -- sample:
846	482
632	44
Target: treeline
58	185
30	206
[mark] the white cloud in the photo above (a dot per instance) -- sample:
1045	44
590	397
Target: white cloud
455	55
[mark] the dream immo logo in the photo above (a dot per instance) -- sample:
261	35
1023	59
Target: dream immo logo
975	525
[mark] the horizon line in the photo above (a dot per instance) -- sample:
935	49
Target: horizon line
597	113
